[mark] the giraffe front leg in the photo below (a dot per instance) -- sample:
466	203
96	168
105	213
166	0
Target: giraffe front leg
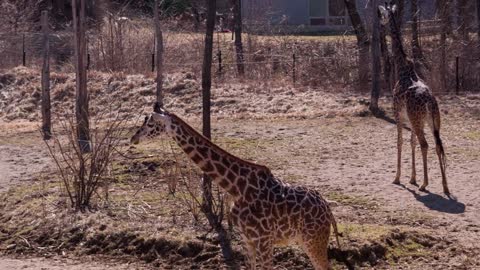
413	142
265	253
250	249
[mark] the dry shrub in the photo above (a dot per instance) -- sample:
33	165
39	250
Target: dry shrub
83	173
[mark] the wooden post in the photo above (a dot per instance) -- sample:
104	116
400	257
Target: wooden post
159	60
46	107
376	66
81	105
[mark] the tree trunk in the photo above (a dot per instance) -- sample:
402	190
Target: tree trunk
159	52
464	20
237	18
362	41
207	205
443	7
400	8
81	105
387	60
416	50
46	106
478	22
376	66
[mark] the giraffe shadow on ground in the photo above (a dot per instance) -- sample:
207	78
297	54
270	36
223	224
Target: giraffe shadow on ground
436	202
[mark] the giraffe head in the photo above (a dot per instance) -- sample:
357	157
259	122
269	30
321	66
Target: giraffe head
386	12
155	124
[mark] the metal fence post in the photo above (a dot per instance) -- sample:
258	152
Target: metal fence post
220	68
24	54
153	55
457	79
294	68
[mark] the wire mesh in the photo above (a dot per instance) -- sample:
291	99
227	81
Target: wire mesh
128	46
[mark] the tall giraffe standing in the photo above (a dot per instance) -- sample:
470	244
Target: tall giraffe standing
413	97
266	211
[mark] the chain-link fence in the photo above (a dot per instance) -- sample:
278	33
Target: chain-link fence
125	45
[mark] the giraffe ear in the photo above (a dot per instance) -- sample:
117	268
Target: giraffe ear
381	11
394	8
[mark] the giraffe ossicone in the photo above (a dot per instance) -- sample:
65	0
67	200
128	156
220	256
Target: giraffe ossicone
266	211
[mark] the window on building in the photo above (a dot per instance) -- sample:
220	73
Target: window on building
328	12
317	21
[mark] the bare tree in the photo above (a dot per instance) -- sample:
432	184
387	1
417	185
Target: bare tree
376	66
464	19
478	21
159	52
237	20
46	106
387	59
213	218
443	10
399	14
81	106
363	42
418	58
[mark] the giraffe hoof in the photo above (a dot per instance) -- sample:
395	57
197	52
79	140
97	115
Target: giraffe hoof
423	188
446	191
396	182
413	181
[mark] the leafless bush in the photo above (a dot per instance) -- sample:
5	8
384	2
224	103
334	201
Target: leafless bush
83	173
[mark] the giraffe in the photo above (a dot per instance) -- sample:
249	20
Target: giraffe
413	98
266	211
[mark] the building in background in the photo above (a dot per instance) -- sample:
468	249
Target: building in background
312	15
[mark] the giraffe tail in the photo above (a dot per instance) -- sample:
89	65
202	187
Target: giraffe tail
335	230
435	111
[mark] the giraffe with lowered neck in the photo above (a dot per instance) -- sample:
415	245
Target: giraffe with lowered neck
413	98
266	211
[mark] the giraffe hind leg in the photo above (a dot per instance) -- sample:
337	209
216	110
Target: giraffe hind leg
413	142
398	118
424	148
316	248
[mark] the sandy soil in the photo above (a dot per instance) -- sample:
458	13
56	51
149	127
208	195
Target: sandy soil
61	264
319	141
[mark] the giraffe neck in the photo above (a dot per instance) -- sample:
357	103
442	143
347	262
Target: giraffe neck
236	176
405	67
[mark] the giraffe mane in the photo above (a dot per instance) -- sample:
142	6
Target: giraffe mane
216	147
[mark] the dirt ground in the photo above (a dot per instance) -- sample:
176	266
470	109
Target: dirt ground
347	155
